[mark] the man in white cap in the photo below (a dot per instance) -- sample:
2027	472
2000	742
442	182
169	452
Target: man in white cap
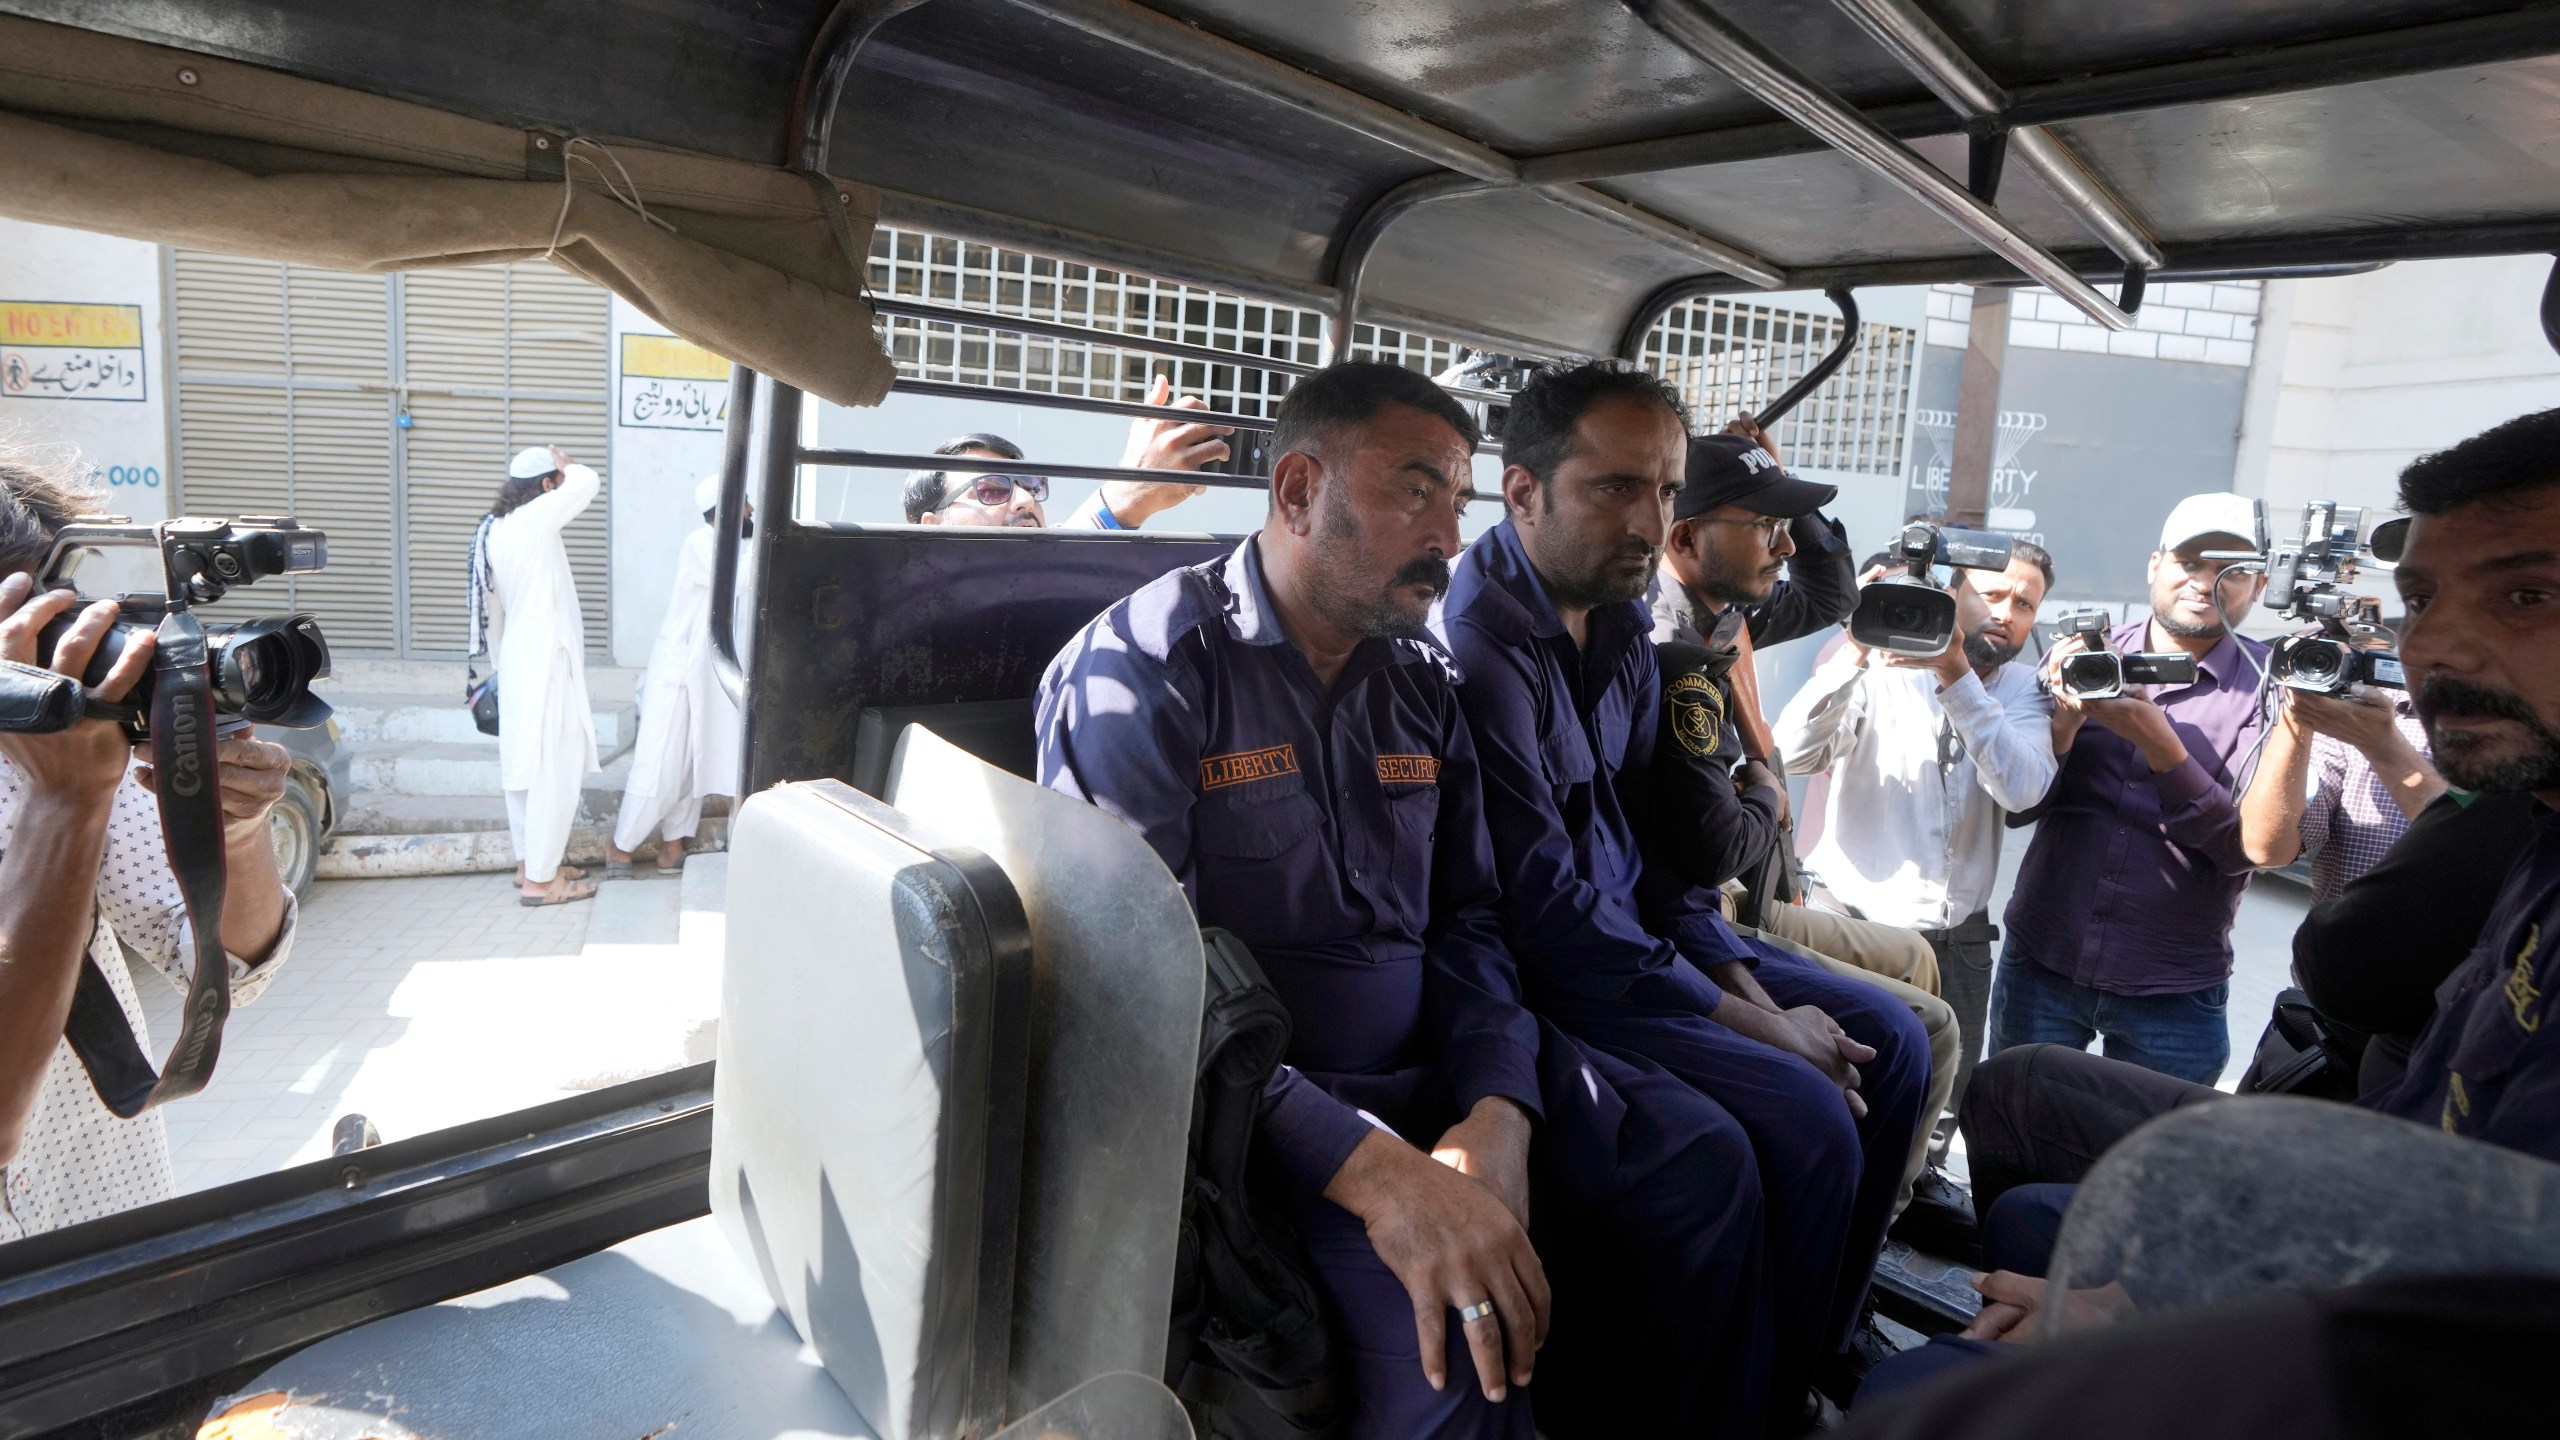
689	727
521	584
2121	923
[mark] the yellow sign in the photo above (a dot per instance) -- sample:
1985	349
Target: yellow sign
664	357
103	327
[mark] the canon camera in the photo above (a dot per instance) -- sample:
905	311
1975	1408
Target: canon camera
259	670
1909	614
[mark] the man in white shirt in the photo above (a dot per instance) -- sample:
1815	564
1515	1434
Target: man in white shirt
85	879
1924	758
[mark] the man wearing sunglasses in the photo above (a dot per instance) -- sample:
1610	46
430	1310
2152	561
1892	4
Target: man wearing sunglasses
953	497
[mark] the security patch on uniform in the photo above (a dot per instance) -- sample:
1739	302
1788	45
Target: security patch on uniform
1408	769
2523	996
1219	771
1697	712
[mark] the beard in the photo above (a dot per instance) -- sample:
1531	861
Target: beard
1726	590
1342	593
2459	754
1984	652
2168	620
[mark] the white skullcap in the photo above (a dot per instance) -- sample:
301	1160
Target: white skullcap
530	461
706	494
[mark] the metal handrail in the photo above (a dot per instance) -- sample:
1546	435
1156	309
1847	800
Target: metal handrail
1905	30
1047	400
1702	32
727	519
994	465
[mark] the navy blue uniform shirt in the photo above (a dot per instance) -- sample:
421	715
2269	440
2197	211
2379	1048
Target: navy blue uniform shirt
1340	836
2488	1065
1562	729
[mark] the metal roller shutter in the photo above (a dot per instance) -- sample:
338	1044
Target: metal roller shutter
498	358
284	406
291	381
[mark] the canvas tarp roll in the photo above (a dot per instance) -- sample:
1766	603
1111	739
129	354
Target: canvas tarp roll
126	138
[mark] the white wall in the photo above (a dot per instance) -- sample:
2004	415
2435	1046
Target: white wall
655	469
104	405
2361	374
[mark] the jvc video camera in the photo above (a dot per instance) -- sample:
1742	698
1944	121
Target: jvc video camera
1907	614
2306	582
2102	673
260	670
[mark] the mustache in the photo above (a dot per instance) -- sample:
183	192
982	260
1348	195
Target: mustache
1430	570
2445	695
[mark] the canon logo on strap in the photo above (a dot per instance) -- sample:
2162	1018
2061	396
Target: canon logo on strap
186	752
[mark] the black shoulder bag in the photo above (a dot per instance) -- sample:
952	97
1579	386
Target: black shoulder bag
1248	1351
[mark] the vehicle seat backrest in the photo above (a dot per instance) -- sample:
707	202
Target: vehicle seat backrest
866	1151
853	618
1117	988
996	731
2212	1202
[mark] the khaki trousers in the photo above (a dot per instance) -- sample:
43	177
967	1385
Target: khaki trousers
1875	943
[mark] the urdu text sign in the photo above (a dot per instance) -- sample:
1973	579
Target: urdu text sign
672	384
57	351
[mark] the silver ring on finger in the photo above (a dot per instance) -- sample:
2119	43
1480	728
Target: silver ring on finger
1470	1314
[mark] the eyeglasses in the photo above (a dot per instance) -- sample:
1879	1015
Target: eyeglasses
1769	526
994	490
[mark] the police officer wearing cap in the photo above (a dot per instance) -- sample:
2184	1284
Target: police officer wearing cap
1718	813
1288	736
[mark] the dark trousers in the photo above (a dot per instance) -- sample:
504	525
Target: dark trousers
1646	1212
1964	982
2040	1114
1829	1182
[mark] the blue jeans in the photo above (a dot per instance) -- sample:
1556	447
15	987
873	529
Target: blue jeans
2182	1035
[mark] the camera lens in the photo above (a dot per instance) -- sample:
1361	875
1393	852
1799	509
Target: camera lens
2087	676
263	669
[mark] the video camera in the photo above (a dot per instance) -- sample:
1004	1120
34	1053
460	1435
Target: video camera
2102	673
259	671
1908	614
2306	582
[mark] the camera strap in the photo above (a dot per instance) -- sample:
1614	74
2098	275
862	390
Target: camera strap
189	785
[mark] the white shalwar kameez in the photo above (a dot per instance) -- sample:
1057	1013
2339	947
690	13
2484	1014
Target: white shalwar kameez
687	748
546	728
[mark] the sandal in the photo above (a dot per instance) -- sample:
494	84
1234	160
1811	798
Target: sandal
617	869
566	871
677	868
563	891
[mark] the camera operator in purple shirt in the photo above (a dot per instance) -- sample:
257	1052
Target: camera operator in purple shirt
2121	923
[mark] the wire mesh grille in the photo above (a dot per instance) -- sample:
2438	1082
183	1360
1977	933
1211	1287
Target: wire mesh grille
1724	355
1727	356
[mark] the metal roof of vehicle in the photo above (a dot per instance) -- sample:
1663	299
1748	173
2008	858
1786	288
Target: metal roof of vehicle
1546	165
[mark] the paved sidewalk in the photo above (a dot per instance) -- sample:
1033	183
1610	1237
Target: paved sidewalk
429	1001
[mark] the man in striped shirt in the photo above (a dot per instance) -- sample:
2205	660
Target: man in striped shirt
2342	777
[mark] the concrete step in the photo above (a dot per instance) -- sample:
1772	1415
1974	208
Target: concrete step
445	720
377	813
443	767
350	856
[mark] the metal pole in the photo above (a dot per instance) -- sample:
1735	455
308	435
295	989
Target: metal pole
1174	42
1986	348
1043	400
736	444
823	73
1707	35
1351	257
1928	52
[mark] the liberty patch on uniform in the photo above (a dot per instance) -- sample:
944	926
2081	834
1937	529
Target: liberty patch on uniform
1697	713
1219	771
1408	769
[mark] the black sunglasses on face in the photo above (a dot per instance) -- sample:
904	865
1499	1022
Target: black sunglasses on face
994	490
